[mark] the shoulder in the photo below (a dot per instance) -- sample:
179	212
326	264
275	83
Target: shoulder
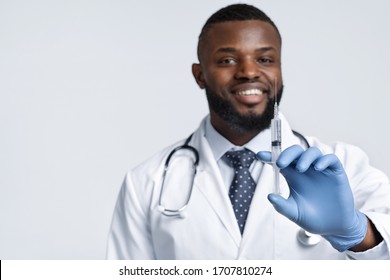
153	164
355	160
344	151
139	182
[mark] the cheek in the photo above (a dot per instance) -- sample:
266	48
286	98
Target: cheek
218	79
277	74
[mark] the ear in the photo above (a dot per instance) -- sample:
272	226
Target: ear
198	74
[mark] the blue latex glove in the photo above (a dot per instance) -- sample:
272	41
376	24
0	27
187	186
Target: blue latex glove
321	199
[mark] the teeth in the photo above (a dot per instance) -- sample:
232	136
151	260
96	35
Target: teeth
250	92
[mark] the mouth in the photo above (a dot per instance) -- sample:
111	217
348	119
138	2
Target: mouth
250	92
250	96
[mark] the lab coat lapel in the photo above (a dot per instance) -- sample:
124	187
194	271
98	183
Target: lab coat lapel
210	183
262	223
259	229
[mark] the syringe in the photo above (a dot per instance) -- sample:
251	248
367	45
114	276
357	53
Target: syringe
276	142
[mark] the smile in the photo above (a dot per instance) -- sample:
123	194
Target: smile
250	92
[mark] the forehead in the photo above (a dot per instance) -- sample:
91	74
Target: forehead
240	35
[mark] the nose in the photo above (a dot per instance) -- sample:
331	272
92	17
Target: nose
248	69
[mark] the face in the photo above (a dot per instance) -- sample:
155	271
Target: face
240	69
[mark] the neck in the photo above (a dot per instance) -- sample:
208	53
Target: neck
234	134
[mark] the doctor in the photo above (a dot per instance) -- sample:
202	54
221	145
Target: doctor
330	191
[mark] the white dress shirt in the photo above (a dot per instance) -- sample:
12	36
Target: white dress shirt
220	145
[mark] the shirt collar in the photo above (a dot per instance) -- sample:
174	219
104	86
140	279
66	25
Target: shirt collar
220	145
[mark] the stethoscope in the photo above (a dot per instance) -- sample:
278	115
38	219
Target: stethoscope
304	237
180	211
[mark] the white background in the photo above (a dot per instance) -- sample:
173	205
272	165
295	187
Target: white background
89	89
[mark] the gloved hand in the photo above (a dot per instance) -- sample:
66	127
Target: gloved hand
321	199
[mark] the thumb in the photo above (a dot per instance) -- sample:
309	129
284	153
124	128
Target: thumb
264	156
286	207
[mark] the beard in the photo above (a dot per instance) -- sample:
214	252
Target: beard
242	123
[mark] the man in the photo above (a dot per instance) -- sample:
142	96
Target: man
328	190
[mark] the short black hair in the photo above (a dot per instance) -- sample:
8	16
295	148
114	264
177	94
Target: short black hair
236	12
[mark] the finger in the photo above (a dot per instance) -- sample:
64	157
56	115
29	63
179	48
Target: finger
286	207
330	161
264	156
289	155
309	157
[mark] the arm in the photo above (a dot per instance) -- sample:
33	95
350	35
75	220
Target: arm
129	236
372	238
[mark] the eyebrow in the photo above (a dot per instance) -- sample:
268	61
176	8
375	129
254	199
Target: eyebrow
233	50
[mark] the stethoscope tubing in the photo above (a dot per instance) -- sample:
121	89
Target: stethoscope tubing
178	212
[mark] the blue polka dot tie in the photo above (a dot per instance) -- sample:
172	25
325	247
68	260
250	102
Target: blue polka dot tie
243	186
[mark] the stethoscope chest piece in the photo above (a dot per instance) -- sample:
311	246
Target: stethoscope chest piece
308	239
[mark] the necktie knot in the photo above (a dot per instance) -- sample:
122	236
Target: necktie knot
239	159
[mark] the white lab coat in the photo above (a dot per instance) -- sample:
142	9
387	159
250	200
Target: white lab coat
210	230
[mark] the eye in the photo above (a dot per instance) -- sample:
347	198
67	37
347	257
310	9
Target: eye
227	61
265	60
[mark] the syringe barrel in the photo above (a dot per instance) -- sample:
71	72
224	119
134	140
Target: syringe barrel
276	142
276	131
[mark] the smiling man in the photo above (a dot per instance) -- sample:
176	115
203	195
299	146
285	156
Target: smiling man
239	70
333	204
